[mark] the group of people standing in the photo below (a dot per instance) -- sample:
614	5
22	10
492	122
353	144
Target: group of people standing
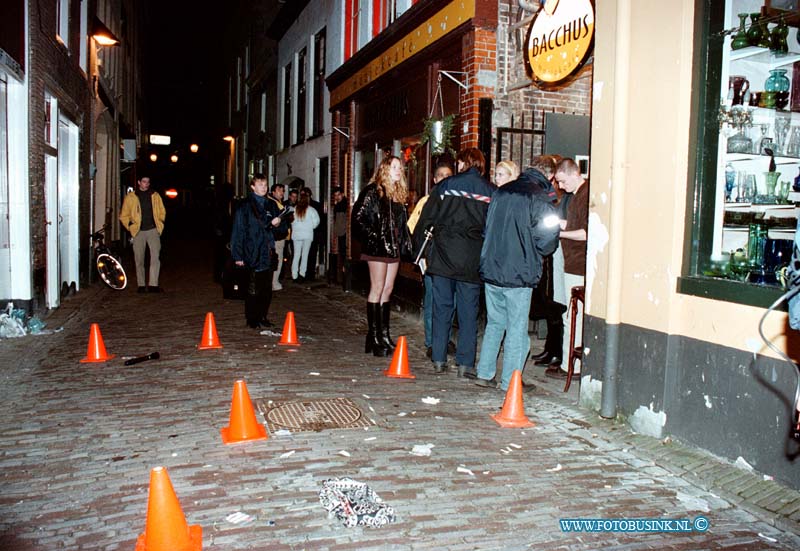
473	234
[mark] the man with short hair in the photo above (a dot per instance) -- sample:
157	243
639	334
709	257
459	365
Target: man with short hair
443	170
256	225
456	214
276	197
522	228
143	215
573	242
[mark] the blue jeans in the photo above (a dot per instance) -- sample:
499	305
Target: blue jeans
427	311
450	294
507	311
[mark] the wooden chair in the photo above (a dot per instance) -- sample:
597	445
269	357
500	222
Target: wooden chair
575	352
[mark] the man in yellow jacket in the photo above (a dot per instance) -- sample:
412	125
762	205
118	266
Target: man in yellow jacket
143	215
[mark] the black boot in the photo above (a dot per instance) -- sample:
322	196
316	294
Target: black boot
374	342
387	339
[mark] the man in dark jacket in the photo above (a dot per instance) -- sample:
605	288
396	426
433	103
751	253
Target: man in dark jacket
255	227
521	228
456	213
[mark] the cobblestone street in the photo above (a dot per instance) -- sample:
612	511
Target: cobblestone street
79	439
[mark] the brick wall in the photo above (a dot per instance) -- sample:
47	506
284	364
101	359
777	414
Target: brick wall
573	96
479	61
55	69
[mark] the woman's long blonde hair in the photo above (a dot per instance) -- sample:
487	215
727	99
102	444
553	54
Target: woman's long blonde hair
397	191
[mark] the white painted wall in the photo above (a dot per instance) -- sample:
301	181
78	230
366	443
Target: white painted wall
303	158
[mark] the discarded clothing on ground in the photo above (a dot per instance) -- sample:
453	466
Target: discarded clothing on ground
354	503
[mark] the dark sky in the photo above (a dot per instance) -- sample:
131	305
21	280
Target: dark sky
183	73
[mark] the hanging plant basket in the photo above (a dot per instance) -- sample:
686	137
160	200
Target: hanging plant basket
439	132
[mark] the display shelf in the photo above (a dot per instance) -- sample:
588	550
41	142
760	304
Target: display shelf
764	56
779	160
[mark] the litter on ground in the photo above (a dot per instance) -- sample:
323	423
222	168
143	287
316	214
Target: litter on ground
422	450
354	503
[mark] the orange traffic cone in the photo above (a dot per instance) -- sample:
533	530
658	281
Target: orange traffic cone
399	366
97	348
512	416
166	528
209	338
243	425
289	335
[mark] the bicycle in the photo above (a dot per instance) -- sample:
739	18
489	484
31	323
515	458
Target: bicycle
108	267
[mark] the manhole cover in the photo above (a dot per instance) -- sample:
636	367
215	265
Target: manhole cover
313	415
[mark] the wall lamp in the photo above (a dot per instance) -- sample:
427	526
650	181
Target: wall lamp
153	157
228	138
174	158
194	148
102	34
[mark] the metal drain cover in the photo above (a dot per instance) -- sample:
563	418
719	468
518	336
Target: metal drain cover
313	415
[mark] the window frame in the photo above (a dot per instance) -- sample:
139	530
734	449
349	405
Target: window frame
318	83
702	180
62	22
301	112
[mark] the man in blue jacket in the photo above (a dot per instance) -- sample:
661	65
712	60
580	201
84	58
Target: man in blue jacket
522	227
255	227
456	212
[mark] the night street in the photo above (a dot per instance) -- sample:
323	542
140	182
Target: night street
80	439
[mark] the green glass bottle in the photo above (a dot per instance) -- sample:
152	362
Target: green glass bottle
740	39
778	37
757	34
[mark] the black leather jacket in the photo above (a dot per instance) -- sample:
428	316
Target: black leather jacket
380	225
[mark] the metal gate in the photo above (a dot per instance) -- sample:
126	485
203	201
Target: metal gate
520	143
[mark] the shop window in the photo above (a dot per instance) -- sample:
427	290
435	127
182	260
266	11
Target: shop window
302	86
747	130
318	72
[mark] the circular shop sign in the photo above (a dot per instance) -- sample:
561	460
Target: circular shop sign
559	39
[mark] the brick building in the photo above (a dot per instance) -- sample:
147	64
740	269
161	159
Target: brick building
64	108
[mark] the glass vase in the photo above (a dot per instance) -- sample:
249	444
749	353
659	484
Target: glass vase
778	36
771	180
777	81
757	34
740	38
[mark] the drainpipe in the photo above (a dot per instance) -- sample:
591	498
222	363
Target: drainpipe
608	406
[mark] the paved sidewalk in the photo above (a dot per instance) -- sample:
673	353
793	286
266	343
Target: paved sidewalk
79	440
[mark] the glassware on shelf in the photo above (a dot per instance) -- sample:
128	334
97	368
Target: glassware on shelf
756	241
777	81
757	34
778	37
730	182
793	147
763	141
783	191
737	118
740	38
771	181
782	124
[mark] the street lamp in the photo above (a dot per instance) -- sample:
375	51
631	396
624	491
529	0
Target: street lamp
102	35
174	158
153	157
193	148
228	138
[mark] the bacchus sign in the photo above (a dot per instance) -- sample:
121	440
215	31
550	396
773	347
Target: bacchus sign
559	39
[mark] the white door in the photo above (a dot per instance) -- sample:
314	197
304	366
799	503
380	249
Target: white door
51	220
68	238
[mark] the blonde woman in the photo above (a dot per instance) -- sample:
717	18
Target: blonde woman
305	220
505	172
379	218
